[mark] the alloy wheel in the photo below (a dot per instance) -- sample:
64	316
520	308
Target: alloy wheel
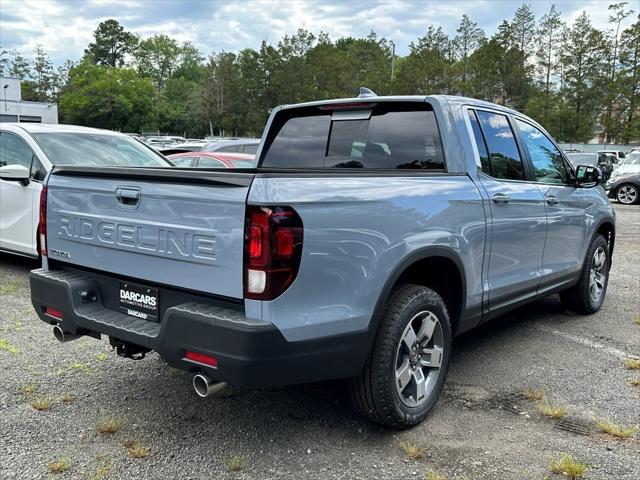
597	275
419	358
627	194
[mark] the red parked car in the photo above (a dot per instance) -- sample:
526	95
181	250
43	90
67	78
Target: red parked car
213	160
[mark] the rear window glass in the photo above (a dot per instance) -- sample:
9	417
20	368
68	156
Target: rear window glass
387	136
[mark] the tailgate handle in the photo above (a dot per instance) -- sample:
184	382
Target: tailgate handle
128	197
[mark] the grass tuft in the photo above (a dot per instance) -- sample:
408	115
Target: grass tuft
102	472
82	368
68	398
59	466
433	475
616	430
569	467
634	382
42	404
535	394
101	357
551	411
7	346
138	451
109	426
9	287
633	363
637	320
236	464
412	451
28	389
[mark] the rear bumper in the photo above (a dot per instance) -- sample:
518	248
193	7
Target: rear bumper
249	352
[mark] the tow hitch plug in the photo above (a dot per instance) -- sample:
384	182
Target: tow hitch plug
128	350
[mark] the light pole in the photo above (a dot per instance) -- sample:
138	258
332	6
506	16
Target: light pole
5	96
393	60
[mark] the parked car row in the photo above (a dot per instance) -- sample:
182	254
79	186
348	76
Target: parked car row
624	183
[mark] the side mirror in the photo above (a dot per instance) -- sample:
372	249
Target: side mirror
15	173
588	176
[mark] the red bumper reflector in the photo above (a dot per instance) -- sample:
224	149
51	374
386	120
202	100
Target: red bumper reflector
52	312
202	358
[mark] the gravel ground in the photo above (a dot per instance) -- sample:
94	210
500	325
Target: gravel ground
482	427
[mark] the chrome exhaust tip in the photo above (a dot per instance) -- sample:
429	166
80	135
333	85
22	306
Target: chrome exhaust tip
63	336
204	385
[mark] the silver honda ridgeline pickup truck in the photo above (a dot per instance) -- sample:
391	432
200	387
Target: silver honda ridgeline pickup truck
373	230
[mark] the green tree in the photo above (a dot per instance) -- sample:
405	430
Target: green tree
584	59
629	84
469	37
548	40
111	44
107	97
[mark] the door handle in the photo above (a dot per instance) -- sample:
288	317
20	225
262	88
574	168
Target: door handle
128	197
551	200
501	198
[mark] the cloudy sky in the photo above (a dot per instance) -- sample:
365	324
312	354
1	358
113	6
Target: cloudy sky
65	27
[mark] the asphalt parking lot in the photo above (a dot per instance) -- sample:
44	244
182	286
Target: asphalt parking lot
483	427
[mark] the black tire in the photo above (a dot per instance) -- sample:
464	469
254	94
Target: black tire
629	190
374	392
578	298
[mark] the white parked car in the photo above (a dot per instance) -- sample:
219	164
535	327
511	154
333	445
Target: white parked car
618	154
27	153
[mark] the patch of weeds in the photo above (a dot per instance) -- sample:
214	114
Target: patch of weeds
634	382
58	466
535	394
42	404
67	398
59	372
109	426
412	451
551	411
433	475
616	430
81	367
101	357
236	464
569	467
8	287
135	450
17	326
28	389
637	321
7	346
632	363
102	471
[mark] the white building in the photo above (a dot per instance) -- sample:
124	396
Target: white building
14	109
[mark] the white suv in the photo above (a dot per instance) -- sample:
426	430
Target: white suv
27	153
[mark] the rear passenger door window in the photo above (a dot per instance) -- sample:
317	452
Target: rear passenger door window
504	156
548	165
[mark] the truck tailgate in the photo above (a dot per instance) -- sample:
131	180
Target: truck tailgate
180	228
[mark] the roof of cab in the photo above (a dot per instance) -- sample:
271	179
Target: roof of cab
443	99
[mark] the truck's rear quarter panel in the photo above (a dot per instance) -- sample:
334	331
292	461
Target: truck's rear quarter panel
357	231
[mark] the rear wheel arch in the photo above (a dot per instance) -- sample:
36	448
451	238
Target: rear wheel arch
439	268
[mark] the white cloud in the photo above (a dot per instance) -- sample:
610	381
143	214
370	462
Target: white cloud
65	27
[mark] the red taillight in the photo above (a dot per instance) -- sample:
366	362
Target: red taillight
202	358
273	248
52	312
42	226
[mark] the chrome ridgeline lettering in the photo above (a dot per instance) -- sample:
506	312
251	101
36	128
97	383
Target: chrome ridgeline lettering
145	239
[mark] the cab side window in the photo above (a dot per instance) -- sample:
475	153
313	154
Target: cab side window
503	151
548	166
14	151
